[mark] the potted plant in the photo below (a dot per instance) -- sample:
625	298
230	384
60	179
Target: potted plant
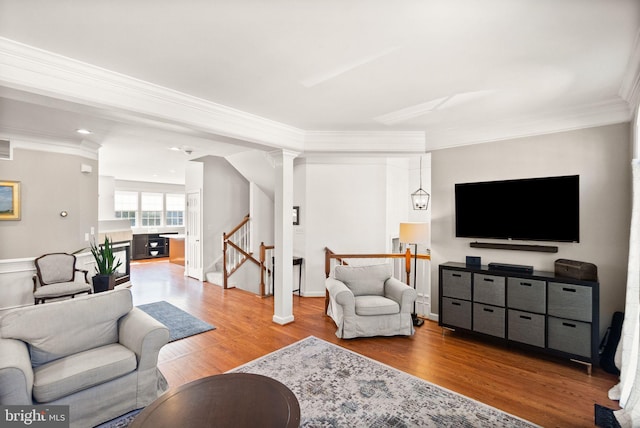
106	266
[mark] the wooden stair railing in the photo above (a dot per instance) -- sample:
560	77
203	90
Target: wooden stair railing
236	246
236	251
246	256
329	255
266	268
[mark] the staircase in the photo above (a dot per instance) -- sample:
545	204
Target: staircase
216	276
236	250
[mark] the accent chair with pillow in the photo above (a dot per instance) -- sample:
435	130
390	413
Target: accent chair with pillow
368	301
98	354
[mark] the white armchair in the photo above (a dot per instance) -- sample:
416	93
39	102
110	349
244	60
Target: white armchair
368	301
96	354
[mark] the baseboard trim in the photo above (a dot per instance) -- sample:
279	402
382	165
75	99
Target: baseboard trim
283	320
312	294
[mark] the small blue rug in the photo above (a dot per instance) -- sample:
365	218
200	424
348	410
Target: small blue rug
180	323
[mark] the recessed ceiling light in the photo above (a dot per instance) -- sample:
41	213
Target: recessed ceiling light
83	131
185	149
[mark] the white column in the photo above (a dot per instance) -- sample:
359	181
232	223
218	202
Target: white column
283	231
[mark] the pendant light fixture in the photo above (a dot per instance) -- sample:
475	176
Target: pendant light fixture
420	198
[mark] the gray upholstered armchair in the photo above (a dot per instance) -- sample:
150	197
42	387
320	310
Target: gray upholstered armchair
369	301
56	277
97	354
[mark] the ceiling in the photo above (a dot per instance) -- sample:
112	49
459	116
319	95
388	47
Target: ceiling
438	67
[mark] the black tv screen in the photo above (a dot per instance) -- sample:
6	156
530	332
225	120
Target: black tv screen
536	209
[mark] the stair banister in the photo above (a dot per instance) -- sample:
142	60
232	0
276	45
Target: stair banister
266	269
236	251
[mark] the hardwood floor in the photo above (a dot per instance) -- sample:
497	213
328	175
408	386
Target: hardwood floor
546	391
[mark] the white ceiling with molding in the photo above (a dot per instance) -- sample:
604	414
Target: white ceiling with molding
314	76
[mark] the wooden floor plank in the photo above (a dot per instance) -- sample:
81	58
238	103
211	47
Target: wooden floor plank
547	391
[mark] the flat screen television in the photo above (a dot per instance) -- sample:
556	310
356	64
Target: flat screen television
533	209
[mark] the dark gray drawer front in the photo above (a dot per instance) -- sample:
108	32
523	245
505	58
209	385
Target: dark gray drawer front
526	327
570	336
489	289
456	284
488	319
527	295
456	313
570	301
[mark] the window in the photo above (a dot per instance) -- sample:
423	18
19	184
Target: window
126	206
151	209
144	209
174	215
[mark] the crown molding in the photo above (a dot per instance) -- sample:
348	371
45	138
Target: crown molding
277	157
349	159
85	149
35	70
630	88
588	116
365	141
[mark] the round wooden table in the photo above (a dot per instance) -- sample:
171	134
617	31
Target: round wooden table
226	400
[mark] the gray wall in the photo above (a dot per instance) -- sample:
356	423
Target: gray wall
51	182
602	158
225	200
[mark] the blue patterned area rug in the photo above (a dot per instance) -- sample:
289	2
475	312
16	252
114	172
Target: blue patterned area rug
122	421
180	323
340	388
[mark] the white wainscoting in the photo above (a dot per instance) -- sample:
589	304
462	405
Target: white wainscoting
16	283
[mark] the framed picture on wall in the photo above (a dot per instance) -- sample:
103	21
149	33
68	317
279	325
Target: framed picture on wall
9	200
296	216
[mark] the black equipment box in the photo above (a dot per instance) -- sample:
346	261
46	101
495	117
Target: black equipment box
511	268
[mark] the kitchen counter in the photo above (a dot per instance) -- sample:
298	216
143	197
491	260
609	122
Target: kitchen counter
174	236
176	248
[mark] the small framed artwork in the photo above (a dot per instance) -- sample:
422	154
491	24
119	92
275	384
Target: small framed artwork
296	216
9	200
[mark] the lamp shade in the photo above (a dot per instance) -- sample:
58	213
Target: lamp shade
414	233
